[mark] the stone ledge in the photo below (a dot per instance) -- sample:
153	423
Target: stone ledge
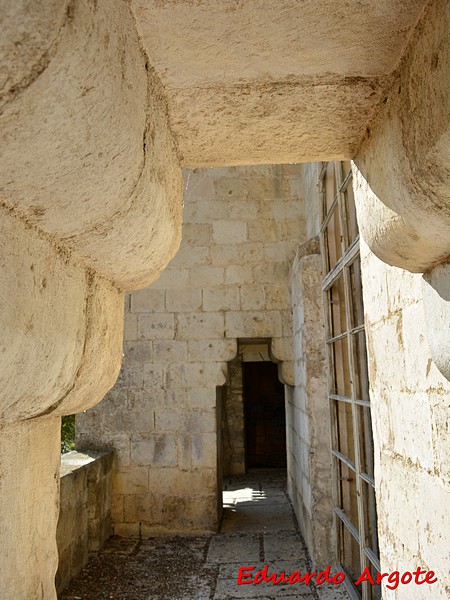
71	461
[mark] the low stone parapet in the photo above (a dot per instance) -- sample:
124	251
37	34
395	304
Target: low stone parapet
85	510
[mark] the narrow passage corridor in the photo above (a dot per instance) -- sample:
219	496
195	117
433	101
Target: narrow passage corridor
258	528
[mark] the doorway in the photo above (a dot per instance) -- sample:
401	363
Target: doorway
265	419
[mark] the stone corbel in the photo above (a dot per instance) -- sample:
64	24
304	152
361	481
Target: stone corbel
401	173
90	199
400	243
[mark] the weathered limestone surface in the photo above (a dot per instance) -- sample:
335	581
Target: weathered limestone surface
307	406
410	415
90	203
256	82
84	522
308	412
402	189
436	303
30	455
404	217
90	197
61	325
60	352
229	280
89	102
403	166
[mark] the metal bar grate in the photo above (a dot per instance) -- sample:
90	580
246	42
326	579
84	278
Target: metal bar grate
352	446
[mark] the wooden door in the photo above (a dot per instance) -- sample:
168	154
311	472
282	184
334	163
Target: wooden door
265	420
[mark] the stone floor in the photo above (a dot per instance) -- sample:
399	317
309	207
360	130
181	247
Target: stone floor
258	528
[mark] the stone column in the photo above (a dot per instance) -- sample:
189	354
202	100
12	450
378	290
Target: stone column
30	457
90	205
60	350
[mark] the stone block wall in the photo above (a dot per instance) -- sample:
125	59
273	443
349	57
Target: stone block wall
229	280
308	412
85	511
307	407
410	416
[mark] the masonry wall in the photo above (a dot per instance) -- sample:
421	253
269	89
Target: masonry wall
229	280
309	450
307	406
410	420
402	192
85	511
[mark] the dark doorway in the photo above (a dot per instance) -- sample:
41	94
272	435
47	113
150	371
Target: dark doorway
265	420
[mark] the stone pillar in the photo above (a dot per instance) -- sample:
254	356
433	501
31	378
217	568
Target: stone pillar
61	351
401	169
90	205
29	482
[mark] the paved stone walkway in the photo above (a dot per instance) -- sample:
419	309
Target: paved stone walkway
258	528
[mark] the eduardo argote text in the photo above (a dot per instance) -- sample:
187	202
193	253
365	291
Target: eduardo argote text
392	580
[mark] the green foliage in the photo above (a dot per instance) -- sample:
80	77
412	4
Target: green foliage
67	434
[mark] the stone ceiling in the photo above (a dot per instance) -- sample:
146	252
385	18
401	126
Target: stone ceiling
254	81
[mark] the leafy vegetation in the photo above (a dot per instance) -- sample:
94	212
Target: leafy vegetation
67	434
